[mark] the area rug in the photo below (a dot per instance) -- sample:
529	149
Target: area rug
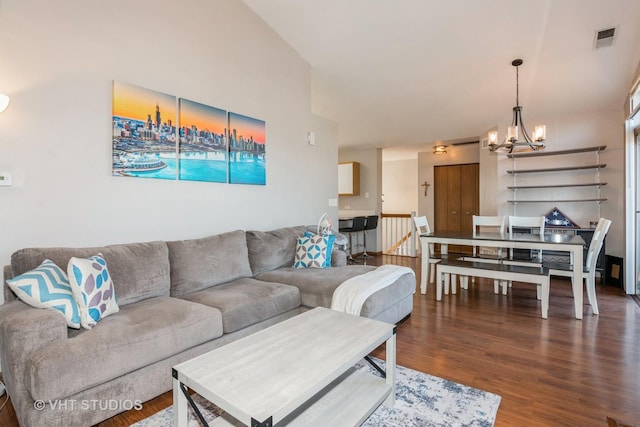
422	400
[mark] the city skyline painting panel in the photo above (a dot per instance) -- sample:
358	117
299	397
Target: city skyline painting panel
203	144
247	150
144	132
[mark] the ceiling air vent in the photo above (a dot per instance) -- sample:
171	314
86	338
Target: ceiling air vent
604	38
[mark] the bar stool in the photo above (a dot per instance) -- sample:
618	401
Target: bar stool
371	224
357	225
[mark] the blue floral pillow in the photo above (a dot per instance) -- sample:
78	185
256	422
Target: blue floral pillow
92	289
311	252
47	286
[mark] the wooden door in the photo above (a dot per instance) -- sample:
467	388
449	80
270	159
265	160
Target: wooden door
447	208
456	199
469	195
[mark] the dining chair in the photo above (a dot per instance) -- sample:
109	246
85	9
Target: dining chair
422	227
533	224
495	224
357	225
589	265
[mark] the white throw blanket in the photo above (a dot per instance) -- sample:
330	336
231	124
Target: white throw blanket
352	293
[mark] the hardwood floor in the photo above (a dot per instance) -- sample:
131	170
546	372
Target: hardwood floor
555	372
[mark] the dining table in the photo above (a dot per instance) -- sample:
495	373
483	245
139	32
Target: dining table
561	242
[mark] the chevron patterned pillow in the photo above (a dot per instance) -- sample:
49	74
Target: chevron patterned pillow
47	286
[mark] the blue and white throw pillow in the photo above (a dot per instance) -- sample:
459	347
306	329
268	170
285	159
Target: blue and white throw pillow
92	288
329	240
47	286
311	252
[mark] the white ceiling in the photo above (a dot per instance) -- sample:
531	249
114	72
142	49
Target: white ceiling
406	72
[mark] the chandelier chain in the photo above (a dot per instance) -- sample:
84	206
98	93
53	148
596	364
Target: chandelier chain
517	87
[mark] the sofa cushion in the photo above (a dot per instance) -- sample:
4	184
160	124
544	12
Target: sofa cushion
139	335
138	270
329	239
338	257
317	286
311	252
247	301
92	289
197	264
269	250
47	286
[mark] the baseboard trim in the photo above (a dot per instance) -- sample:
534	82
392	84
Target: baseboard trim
357	254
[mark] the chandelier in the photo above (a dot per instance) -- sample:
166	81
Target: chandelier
512	142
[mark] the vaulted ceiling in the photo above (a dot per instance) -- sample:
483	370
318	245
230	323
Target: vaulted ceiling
402	72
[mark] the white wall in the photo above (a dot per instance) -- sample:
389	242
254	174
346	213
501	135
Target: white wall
58	62
400	186
489	183
370	179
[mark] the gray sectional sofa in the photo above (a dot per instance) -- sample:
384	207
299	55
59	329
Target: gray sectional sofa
177	300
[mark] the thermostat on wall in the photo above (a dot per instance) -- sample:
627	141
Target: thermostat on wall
5	178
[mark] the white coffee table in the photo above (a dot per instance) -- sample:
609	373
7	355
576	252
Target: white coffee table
299	372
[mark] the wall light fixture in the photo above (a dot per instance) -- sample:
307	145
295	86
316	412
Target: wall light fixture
439	149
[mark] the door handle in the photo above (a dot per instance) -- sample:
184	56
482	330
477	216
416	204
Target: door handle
453	212
468	213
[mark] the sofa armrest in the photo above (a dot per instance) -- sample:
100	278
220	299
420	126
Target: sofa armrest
339	253
338	258
24	329
8	293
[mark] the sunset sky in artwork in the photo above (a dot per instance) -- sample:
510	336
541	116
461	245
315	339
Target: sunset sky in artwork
202	116
247	127
137	103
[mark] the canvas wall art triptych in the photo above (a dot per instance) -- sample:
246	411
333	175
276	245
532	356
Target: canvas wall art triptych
156	135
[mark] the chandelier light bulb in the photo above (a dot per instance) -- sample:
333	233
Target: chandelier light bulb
540	133
493	137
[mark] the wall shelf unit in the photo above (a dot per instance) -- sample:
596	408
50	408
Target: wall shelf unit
565	168
522	187
596	148
515	202
529	182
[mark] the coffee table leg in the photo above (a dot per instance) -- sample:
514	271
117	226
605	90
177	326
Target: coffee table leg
390	367
179	405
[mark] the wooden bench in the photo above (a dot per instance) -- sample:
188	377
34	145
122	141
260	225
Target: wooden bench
527	262
499	272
